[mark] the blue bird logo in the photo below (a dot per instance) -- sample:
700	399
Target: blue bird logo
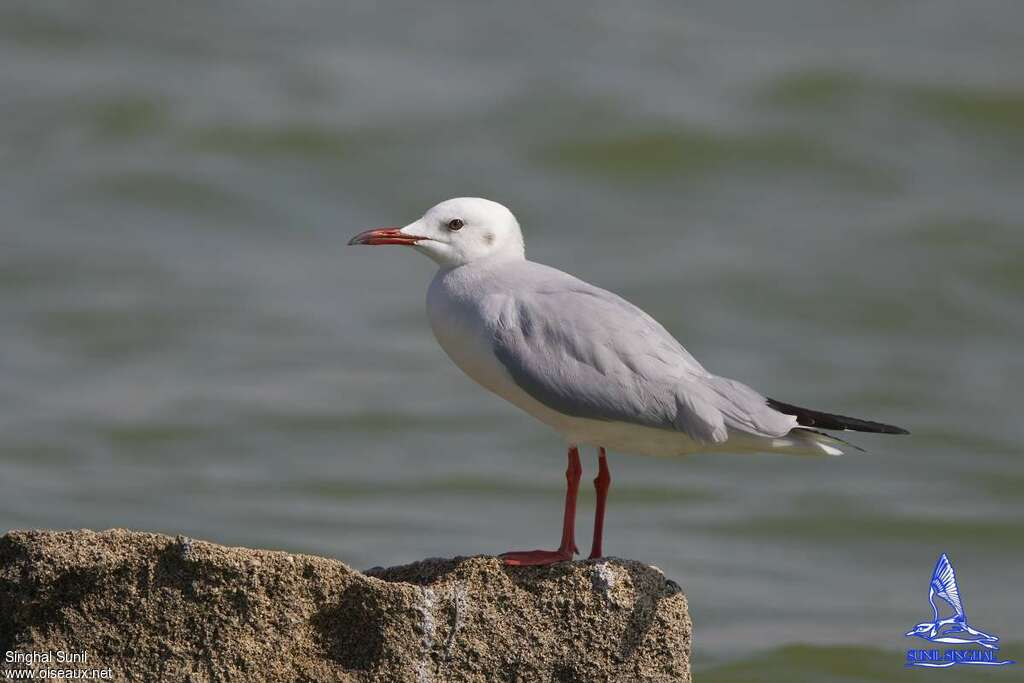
953	629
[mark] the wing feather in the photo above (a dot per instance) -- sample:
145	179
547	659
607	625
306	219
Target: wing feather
588	353
944	583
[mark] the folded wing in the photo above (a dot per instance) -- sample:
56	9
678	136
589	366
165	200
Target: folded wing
588	353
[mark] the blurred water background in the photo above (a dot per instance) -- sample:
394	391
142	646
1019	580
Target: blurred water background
823	199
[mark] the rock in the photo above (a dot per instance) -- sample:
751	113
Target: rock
152	608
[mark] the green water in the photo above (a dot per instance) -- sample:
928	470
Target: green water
821	199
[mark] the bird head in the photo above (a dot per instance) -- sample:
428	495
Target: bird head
456	232
923	629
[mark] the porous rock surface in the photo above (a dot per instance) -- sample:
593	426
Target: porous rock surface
156	608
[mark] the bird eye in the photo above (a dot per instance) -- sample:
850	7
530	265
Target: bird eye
455	224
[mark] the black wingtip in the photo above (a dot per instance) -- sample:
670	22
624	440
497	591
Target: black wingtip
806	417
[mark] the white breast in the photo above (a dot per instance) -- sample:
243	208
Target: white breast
462	332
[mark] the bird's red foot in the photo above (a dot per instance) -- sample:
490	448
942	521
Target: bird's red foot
523	558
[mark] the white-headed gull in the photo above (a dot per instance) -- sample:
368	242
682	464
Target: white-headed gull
585	361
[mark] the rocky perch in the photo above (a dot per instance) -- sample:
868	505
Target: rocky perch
155	608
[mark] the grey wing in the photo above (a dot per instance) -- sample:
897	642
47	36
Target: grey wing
743	409
588	353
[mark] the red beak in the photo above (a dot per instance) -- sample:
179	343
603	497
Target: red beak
385	236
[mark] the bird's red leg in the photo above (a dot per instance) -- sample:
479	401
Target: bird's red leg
602	482
568	546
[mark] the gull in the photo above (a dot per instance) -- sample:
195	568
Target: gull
586	362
